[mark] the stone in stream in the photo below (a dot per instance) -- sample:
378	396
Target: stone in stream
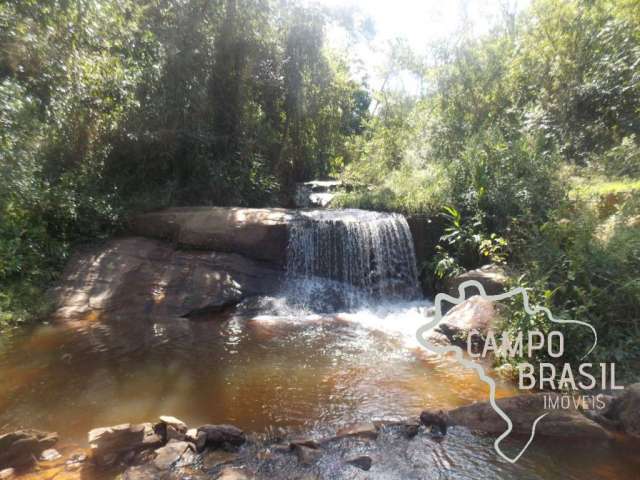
363	462
229	473
476	313
22	447
50	455
365	430
216	458
437	420
199	439
174	454
223	435
108	443
306	455
523	410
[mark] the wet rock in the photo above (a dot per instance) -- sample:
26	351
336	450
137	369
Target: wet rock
523	410
177	424
406	428
199	439
143	472
366	430
437	420
138	276
223	435
624	411
492	277
304	442
109	442
22	447
476	313
362	462
215	458
174	453
7	474
229	473
306	455
50	455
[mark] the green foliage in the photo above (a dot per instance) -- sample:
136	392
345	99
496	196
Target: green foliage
114	106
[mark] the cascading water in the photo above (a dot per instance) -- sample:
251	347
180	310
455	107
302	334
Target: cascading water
344	259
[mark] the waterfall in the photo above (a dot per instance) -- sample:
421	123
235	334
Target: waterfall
346	258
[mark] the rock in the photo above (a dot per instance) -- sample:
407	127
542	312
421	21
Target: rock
222	435
316	193
22	447
229	473
144	472
492	277
306	455
624	410
437	420
50	455
408	429
258	233
363	462
174	453
523	410
109	442
476	313
135	276
199	439
365	430
177	424
216	458
7	474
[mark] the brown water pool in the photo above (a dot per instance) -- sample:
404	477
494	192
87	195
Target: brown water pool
260	373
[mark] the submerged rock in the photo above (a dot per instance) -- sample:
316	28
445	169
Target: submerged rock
50	455
362	462
366	430
306	455
22	447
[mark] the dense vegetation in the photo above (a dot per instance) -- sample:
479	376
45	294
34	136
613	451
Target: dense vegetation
531	137
528	135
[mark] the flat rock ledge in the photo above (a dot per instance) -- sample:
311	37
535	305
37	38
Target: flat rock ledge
258	233
134	276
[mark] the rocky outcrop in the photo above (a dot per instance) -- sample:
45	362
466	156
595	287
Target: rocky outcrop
223	435
492	277
523	410
21	448
258	233
136	276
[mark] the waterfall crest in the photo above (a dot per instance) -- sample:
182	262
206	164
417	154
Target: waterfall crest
346	258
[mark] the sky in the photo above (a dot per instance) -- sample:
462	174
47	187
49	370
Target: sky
420	22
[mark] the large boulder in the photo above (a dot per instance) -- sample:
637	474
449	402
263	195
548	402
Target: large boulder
624	410
476	313
523	410
492	277
21	448
139	276
259	233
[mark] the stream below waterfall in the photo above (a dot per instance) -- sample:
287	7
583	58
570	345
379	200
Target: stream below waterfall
336	347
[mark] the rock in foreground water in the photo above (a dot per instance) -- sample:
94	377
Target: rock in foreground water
21	448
